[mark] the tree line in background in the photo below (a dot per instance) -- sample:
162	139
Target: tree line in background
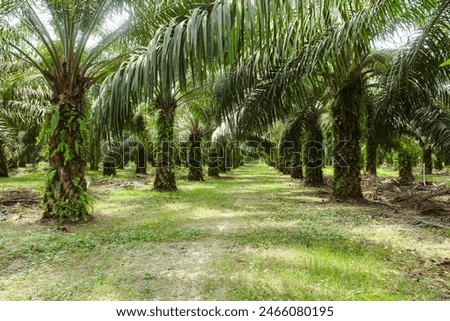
312	80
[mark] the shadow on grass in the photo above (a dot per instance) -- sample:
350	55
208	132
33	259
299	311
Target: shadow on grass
317	263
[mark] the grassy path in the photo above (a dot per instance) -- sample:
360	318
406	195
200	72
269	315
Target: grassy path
253	235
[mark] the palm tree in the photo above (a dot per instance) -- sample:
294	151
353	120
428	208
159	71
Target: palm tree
313	146
23	96
197	121
415	83
64	41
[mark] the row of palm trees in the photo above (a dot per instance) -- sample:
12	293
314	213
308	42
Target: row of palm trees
310	65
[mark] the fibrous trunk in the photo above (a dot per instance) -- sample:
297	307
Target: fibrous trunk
371	155
213	163
223	157
347	133
66	196
94	153
141	160
313	156
427	158
297	166
405	166
195	156
93	166
165	176
238	159
285	160
438	164
109	167
3	163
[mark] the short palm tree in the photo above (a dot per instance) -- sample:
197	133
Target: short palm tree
66	42
196	122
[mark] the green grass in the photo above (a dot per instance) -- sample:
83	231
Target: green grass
254	235
387	171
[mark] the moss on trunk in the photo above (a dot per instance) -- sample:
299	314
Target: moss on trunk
164	156
195	156
347	134
66	197
313	152
313	163
405	166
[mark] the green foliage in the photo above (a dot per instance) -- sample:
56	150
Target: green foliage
77	211
407	153
66	134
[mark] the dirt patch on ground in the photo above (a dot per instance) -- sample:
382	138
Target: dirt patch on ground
19	206
174	271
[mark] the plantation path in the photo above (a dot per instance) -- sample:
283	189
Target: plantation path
252	235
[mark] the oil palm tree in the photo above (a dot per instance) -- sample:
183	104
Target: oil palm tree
66	42
197	123
23	96
418	80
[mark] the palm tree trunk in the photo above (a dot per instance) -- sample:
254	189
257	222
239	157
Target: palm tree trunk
438	164
405	166
232	157
66	195
285	161
427	158
195	156
346	120
371	155
3	163
447	160
13	163
165	175
313	156
93	166
281	164
22	163
119	154
213	163
223	156
236	159
109	168
94	153
141	160
297	166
